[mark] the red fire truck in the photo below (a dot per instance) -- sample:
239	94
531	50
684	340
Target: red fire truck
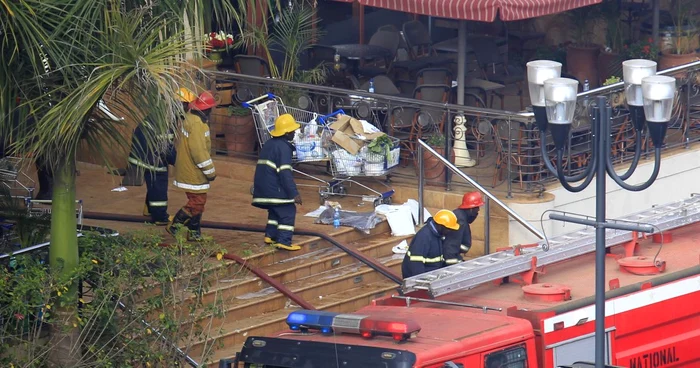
545	319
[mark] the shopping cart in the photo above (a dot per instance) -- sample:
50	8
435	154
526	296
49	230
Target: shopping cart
313	144
344	166
13	178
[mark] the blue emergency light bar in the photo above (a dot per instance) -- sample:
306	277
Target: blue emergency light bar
304	320
367	326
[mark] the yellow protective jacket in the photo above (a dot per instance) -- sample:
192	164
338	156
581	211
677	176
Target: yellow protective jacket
194	168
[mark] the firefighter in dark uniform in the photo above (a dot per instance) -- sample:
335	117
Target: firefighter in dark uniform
194	168
155	164
425	251
458	242
273	186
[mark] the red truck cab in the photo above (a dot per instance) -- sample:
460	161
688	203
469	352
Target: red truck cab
466	338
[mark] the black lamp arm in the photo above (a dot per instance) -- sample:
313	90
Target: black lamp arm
552	169
590	173
635	159
610	168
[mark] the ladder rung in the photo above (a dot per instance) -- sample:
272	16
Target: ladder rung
506	263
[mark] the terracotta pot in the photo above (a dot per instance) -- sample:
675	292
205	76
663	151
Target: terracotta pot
609	64
239	134
582	63
434	170
670	60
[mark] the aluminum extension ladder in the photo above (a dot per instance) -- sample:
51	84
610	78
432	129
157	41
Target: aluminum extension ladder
469	274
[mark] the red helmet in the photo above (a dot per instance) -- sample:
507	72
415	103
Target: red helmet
204	101
471	200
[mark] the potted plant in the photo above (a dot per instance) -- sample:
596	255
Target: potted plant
684	39
612	54
582	54
432	167
215	45
239	130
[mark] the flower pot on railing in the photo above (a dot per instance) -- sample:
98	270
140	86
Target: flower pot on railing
433	168
216	56
582	62
670	60
239	131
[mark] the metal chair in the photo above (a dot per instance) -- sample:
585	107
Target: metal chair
389	40
493	64
250	65
434	76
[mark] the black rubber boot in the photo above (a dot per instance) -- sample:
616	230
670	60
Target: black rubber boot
181	217
195	227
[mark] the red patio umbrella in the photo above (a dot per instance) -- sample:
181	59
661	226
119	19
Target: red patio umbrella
480	10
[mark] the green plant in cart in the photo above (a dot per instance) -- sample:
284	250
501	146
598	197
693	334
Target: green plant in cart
381	145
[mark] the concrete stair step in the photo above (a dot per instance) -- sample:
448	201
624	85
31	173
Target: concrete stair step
309	288
234	333
299	267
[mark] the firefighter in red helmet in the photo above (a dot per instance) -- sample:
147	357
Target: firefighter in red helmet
458	242
194	169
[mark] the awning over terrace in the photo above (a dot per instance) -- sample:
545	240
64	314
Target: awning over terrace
479	10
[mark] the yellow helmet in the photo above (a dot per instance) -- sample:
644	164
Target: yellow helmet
186	95
284	124
447	219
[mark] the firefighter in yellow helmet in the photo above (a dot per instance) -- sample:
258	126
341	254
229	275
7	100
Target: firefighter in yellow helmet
155	164
194	168
425	251
273	185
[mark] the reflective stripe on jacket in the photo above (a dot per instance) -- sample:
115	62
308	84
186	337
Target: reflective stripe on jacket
194	167
146	157
273	183
458	241
424	253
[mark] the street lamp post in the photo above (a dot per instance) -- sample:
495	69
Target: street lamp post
650	98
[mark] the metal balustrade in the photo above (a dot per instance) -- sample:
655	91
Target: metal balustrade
505	144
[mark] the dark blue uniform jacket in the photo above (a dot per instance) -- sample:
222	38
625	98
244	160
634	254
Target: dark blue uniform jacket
273	183
425	252
458	241
144	157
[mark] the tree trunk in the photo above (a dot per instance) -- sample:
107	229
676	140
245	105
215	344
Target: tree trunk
63	255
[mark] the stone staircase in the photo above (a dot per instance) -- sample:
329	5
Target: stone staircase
320	273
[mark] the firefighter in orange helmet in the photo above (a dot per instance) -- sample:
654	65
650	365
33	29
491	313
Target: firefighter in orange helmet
194	168
425	251
458	242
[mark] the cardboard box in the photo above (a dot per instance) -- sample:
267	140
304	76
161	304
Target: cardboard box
349	133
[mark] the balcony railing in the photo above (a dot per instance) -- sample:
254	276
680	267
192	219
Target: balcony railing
505	144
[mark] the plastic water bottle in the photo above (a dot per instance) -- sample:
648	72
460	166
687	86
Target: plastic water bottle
336	218
586	85
371	85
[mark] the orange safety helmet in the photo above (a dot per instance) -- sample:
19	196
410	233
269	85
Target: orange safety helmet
447	219
205	101
471	200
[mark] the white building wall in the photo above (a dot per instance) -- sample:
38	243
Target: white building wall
678	178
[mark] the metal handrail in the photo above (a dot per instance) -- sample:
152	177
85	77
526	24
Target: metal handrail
462	108
424	146
365	94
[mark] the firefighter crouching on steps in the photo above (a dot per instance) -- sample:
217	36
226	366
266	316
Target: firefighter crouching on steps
273	186
425	251
155	164
194	169
458	242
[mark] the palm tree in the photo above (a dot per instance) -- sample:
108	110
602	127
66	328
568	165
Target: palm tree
61	57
